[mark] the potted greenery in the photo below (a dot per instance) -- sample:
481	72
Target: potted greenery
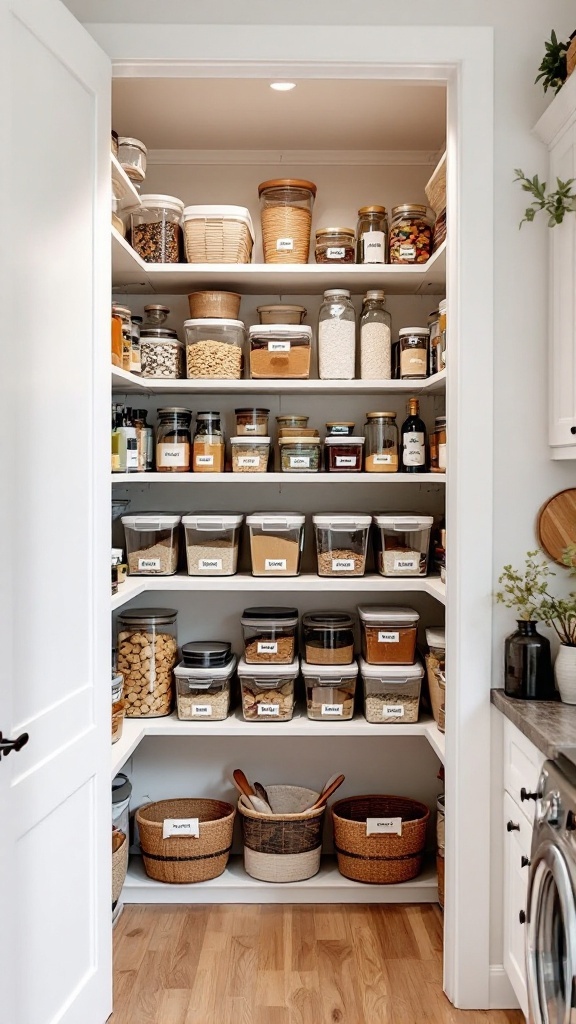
560	615
527	663
553	70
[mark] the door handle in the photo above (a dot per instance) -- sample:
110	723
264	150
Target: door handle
525	795
524	862
512	826
7	746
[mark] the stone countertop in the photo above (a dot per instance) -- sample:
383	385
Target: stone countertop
548	724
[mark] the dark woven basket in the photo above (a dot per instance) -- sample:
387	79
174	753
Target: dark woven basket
300	836
382	859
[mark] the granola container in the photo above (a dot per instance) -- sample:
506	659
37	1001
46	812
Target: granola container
391	692
300	454
147	654
267	691
330	691
250	454
341	543
203	688
212	540
151	543
276	542
388	634
270	635
328	638
402	543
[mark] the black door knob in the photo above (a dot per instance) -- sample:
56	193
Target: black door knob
524	862
571	821
512	826
7	746
525	795
522	917
573	430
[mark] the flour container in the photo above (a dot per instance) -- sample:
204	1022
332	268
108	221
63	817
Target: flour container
212	540
276	542
402	543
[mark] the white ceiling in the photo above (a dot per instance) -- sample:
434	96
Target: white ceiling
188	113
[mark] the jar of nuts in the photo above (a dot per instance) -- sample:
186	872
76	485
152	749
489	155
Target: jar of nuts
214	348
156	234
147	654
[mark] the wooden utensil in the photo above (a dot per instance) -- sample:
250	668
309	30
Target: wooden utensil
244	786
329	782
261	792
556	524
327	793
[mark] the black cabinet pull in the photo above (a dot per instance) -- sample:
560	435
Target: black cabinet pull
522	917
524	862
573	430
512	826
525	795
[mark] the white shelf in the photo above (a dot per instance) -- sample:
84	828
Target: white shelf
437	740
123	189
235	886
129	384
132	274
133	732
347	479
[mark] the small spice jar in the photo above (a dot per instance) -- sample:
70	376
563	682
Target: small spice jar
336	336
250	454
340	428
414	348
372	235
388	634
328	638
147	653
132	157
330	691
300	455
344	454
335	245
208	452
173	440
375	338
381	442
118	707
156	232
411	234
438	446
252	421
286	214
270	634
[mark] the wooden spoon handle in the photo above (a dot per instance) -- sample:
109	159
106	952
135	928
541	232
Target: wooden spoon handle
242	782
327	793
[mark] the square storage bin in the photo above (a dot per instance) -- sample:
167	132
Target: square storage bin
267	691
204	693
341	543
391	692
270	635
300	454
212	542
330	691
276	542
328	638
214	348
280	351
344	454
151	544
402	543
388	634
218	234
250	454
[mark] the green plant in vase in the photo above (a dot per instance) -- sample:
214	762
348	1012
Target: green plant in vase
560	614
553	71
527	659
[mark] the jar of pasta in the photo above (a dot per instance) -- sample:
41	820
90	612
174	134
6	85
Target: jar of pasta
208	448
286	214
411	234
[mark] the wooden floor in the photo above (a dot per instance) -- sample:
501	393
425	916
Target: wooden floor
284	965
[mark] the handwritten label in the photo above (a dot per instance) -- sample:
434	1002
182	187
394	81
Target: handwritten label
343	565
181	827
149	564
270	564
299	462
173	454
332	709
278	346
284	244
267	647
388	637
345	460
406	251
210	564
202	710
393	711
248	460
205	460
335	252
410	564
383	826
382	460
269	709
250	428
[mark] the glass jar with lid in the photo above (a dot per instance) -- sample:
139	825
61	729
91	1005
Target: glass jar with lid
173	440
375	338
132	157
286	215
209	446
125	316
156	316
440	363
335	245
411	233
161	353
147	654
155	229
414	348
336	336
135	325
381	433
372	235
438	446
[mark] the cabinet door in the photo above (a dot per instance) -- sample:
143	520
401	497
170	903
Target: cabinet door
55	902
516	855
562	391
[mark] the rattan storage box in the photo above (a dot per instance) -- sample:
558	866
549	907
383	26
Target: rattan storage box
284	846
218	234
182	858
382	858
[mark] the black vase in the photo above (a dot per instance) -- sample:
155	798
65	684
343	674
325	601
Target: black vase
528	665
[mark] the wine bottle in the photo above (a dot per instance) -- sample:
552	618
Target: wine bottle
413	440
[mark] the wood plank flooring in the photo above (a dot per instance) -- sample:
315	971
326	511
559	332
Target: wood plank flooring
284	965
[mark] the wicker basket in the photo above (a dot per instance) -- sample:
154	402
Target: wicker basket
284	846
436	188
435	690
218	234
440	870
183	859
221	305
119	869
383	859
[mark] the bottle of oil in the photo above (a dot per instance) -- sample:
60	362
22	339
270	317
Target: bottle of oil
413	440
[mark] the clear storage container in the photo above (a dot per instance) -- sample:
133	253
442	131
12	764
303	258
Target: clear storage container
214	348
161	353
388	634
151	543
270	635
155	229
381	442
286	215
280	352
208	446
436	670
411	234
344	454
391	692
336	336
375	338
335	245
173	440
203	681
300	454
341	543
330	691
328	638
250	454
402	543
132	157
276	542
212	540
414	352
147	654
252	421
372	234
118	707
267	691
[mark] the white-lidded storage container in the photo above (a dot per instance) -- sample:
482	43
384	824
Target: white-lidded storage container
276	542
267	691
214	348
155	229
151	543
250	454
212	540
388	634
204	693
391	692
330	691
280	351
402	543
132	154
218	234
341	543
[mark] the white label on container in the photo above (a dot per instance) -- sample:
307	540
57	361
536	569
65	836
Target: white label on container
181	827
383	826
149	563
270	564
131	458
393	711
284	244
267	647
407	251
441	456
210	563
343	565
414	449
173	454
406	563
250	428
382	460
268	709
385	637
332	709
248	460
334	252
299	462
202	710
373	242
204	460
278	346
345	460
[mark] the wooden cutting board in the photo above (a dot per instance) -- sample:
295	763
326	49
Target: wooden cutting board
556	524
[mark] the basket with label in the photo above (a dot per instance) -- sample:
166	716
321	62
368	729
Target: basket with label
284	846
380	839
286	214
186	840
218	234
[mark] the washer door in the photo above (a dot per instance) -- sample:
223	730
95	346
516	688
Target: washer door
551	939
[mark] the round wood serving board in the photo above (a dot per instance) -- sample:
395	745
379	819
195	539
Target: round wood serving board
556	525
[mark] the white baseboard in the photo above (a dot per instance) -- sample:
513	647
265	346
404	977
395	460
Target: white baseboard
502	995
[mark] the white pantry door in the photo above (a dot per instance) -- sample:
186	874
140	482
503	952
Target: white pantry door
55	932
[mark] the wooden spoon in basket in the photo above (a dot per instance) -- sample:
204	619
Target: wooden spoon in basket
244	787
326	793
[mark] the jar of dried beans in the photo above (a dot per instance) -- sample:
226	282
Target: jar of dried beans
335	245
286	214
147	654
156	232
411	234
173	440
270	634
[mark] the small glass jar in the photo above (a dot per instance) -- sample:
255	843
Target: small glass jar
173	440
328	638
116	340
156	232
411	234
292	420
438	446
132	157
336	336
300	454
156	316
147	654
414	348
375	338
117	221
381	432
145	441
340	428
208	455
135	361
286	214
344	454
252	421
125	316
372	235
161	353
335	245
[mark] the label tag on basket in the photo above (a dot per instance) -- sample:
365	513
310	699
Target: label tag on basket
181	827
383	826
284	244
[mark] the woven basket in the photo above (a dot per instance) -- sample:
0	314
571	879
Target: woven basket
382	859
217	240
440	870
221	305
284	846
436	188
119	869
182	859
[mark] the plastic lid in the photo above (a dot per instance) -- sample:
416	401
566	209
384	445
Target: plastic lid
405	332
170	202
159	616
206	653
329	672
124	140
374	614
150	521
203	677
270	521
334	293
408	521
327	620
335	231
280	330
442	305
212	520
235	212
343	439
436	637
261	614
121	789
267	670
250	439
342	520
287	183
297	439
398	674
213	322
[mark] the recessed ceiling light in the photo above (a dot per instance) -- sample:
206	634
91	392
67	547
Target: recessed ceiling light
283	86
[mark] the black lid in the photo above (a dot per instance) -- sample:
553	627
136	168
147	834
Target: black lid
270	612
121	788
159	615
324	620
206	653
252	408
